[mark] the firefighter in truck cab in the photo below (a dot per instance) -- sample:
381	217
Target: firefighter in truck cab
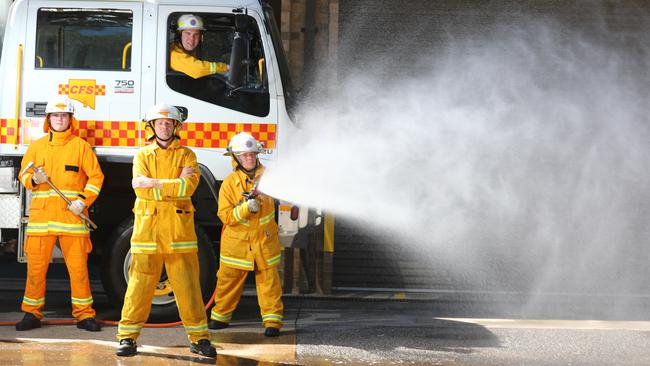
183	57
68	163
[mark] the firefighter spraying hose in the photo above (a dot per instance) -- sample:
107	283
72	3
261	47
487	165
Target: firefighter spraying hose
249	241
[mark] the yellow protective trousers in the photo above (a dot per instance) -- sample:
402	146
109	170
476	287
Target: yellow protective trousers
75	252
230	284
144	274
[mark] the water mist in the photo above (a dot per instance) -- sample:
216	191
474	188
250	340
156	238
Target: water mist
518	163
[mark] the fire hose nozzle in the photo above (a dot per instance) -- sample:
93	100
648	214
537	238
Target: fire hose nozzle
254	192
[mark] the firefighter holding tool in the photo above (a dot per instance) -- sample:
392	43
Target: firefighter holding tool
65	178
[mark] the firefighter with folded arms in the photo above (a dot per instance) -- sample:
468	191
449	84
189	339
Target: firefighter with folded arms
165	175
249	241
183	57
70	164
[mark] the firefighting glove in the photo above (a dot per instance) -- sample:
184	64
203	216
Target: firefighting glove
77	207
39	176
253	205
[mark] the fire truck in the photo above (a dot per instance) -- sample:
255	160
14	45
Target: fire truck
111	58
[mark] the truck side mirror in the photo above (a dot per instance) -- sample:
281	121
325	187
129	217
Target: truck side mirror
242	23
236	58
183	111
238	54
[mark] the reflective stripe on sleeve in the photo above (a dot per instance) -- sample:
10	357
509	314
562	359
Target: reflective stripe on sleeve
237	215
182	187
92	188
25	178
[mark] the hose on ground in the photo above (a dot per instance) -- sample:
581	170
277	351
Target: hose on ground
114	323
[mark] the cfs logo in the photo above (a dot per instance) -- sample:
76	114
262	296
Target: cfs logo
83	90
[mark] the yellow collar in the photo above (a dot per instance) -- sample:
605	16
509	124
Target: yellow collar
60	138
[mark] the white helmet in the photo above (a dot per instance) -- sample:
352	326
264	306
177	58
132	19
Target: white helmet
163	111
190	21
243	143
59	104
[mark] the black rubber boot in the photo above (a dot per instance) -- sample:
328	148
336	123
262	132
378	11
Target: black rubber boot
127	347
204	348
30	321
89	324
215	324
271	332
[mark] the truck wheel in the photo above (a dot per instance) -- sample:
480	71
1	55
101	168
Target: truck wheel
116	261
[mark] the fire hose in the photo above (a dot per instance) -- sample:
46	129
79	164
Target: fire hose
114	323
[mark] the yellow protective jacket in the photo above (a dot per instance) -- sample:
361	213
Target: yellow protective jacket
164	218
182	61
248	239
72	166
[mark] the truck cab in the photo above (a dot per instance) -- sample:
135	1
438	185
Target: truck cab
112	58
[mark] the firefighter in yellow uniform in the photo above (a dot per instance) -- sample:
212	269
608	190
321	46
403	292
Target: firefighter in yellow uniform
165	175
71	165
183	56
249	241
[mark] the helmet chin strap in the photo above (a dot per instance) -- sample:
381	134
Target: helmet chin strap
52	129
155	135
162	139
250	173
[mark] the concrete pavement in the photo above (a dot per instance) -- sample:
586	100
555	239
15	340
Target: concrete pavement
375	330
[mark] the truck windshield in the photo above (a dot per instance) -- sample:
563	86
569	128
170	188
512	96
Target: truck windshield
86	39
201	68
283	63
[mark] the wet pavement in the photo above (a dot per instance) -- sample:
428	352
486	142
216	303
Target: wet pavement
350	329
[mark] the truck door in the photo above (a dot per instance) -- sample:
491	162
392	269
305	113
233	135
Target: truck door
216	112
89	51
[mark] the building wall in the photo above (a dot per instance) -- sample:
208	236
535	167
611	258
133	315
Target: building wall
342	35
310	35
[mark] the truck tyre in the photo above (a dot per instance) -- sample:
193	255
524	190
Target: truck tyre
115	266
